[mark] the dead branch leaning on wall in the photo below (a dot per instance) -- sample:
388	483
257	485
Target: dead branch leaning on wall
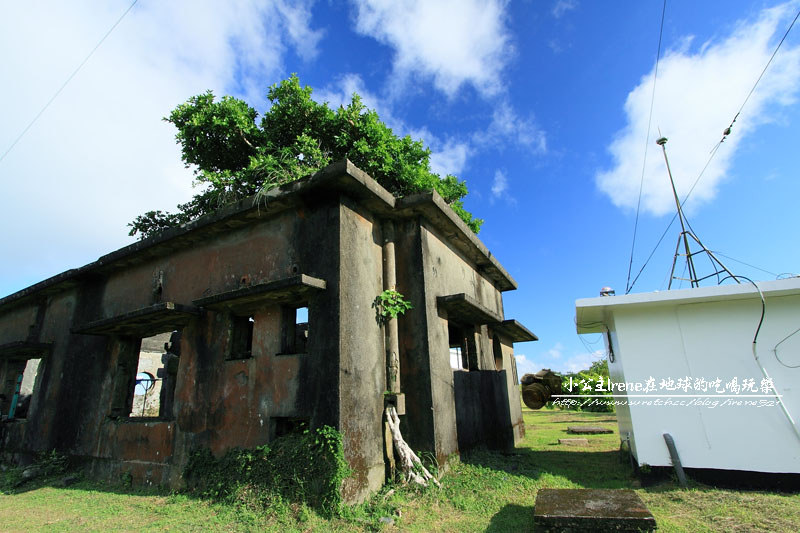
412	467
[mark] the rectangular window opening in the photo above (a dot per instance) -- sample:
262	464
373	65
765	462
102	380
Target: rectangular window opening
151	392
22	378
242	337
463	348
458	347
294	330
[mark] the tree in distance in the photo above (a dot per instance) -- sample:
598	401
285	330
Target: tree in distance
234	157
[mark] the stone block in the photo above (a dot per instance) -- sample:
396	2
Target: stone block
588	430
593	510
574	442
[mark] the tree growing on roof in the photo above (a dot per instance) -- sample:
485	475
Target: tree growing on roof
235	157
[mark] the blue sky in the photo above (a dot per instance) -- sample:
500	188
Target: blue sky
541	106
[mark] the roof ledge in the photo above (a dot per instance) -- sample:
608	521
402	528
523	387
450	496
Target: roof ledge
293	289
514	331
144	322
25	350
464	308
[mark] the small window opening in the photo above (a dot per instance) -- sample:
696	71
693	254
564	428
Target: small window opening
497	349
144	383
295	330
154	376
21	388
463	349
514	369
242	341
144	386
289	425
458	348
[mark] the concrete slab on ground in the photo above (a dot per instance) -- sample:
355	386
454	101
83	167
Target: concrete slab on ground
581	510
574	442
588	430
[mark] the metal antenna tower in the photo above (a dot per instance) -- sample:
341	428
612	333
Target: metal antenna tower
683	238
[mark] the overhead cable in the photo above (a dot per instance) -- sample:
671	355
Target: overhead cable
646	144
728	130
69	79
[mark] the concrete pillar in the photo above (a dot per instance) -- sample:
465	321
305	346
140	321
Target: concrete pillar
392	338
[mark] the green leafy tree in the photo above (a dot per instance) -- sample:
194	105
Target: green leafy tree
233	156
585	383
600	367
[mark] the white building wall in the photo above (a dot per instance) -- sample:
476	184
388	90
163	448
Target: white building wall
665	337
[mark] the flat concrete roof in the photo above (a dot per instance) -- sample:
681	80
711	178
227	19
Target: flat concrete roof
341	177
590	313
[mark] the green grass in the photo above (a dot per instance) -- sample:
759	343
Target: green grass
486	491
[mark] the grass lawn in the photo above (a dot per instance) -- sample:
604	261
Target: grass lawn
486	491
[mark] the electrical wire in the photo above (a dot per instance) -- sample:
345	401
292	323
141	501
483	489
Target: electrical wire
646	144
746	264
763	307
775	349
64	85
649	257
727	130
758	361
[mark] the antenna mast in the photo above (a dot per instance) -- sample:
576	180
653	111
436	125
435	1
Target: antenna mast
683	238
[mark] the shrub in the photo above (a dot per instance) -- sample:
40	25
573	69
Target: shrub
307	467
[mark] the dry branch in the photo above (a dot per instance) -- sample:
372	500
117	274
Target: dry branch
412	467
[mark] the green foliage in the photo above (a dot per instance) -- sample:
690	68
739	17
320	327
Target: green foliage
52	463
389	304
46	465
306	467
234	157
585	383
600	367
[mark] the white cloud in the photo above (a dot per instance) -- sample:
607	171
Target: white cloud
448	156
508	126
295	17
697	95
526	366
582	361
552	359
556	351
100	154
454	42
557	359
499	184
341	94
563	6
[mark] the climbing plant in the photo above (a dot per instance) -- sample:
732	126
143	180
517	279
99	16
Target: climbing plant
304	467
389	304
234	156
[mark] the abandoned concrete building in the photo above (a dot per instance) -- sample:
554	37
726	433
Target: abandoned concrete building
258	320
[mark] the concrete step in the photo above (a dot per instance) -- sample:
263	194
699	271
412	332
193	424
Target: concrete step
588	430
580	510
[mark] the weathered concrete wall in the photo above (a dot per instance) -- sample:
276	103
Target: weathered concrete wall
413	329
512	387
333	234
362	366
16	323
448	272
261	251
219	403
